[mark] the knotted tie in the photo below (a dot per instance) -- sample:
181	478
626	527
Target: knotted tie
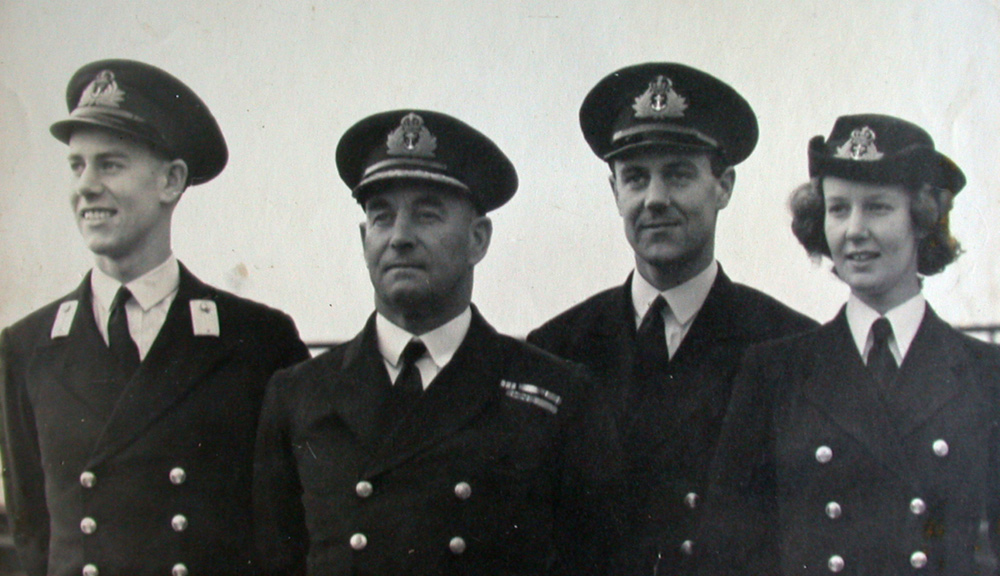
407	389
119	338
651	340
409	384
881	363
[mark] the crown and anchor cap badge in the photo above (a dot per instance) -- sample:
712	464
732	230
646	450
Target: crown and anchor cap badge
664	105
427	146
147	103
882	149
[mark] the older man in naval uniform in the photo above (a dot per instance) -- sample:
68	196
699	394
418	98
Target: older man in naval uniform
431	444
130	405
668	342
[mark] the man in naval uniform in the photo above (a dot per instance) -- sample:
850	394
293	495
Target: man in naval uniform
431	444
668	342
130	405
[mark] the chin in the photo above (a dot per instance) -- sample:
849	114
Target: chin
406	298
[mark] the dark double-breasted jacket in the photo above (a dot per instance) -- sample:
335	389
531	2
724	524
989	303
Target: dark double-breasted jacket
669	421
505	466
111	475
821	471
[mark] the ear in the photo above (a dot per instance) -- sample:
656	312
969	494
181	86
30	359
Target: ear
362	228
480	233
726	183
176	181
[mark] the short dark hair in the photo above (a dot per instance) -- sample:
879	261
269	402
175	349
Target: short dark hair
929	210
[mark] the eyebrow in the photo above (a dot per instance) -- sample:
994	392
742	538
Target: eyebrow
102	155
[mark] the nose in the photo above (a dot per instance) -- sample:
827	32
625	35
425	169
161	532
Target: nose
657	194
856	226
402	232
87	183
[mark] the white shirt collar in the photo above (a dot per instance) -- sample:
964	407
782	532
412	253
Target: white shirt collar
684	300
148	290
905	320
441	342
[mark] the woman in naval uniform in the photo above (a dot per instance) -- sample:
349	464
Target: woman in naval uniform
870	445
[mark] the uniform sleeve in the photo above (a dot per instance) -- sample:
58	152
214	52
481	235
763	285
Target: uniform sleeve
293	350
738	532
279	517
24	480
588	523
992	376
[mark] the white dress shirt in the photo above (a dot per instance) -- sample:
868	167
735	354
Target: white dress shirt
152	295
905	320
441	343
683	303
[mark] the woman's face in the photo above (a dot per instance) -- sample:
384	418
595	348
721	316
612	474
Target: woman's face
872	240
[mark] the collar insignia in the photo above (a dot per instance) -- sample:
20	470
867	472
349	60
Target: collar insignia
64	319
412	138
204	318
860	146
660	101
103	91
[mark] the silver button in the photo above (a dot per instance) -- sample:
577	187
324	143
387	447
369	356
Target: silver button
463	490
88	479
457	545
687	547
833	510
823	455
88	525
359	541
90	570
918	559
940	448
179	523
364	489
835	563
691	500
178	476
179	570
917	506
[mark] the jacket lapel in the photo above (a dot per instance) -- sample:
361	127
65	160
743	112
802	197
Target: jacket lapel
714	323
457	395
358	386
929	376
177	361
840	387
80	362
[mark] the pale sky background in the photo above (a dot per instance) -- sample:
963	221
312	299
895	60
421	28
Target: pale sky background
285	79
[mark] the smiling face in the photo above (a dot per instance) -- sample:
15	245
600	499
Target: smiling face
123	195
421	243
669	202
872	240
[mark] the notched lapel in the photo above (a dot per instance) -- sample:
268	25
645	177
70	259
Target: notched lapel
177	362
459	393
929	377
838	386
79	362
357	387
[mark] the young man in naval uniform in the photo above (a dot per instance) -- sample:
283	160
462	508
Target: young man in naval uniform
668	342
431	444
130	405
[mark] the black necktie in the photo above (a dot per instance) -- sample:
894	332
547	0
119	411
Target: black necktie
119	338
409	384
881	363
406	391
651	339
